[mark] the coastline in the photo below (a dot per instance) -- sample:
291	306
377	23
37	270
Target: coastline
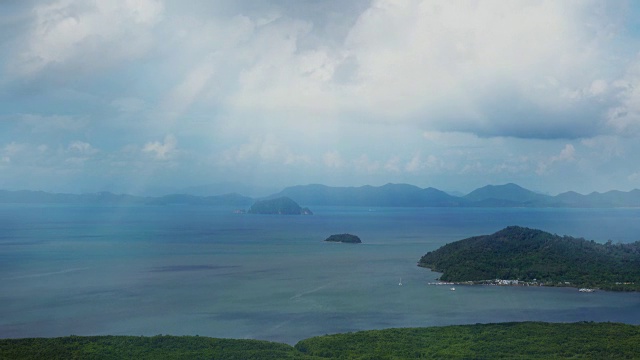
503	282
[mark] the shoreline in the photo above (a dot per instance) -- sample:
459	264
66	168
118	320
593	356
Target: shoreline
502	282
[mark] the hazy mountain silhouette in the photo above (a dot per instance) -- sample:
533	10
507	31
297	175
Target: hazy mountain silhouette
389	195
508	195
400	195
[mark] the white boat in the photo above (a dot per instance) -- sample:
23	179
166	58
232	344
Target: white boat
400	283
453	289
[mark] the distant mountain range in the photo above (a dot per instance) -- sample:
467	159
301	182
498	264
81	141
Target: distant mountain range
403	195
389	195
107	198
400	195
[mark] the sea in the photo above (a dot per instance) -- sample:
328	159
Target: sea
207	271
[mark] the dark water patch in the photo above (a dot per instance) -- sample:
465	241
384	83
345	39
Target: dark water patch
103	298
177	268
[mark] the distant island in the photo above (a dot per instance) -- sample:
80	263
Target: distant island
344	238
522	256
280	206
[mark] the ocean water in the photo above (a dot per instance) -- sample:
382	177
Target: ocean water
197	270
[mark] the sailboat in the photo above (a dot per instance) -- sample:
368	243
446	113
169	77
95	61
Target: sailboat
400	283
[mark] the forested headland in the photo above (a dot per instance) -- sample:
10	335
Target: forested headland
537	257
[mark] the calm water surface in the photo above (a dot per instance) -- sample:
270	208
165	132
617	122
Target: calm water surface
187	270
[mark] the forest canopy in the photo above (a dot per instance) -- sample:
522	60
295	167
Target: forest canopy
526	340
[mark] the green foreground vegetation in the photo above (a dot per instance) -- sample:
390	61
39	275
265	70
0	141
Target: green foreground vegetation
142	348
540	258
526	340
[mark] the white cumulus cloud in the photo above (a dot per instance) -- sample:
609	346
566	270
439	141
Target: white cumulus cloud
162	150
87	34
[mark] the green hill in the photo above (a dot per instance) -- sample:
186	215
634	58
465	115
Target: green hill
531	255
527	340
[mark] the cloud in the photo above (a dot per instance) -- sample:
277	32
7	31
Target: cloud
604	147
598	87
164	150
279	77
129	104
352	92
393	165
20	154
634	177
263	149
333	159
417	163
79	152
82	148
191	87
10	150
364	164
80	36
526	69
47	123
14	148
490	68
567	154
39	156
414	164
625	118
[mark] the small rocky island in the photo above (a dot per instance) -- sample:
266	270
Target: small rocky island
521	256
278	206
344	238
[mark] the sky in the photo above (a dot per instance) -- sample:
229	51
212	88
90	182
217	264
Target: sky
143	96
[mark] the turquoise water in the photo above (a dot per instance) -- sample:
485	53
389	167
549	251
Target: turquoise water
187	270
